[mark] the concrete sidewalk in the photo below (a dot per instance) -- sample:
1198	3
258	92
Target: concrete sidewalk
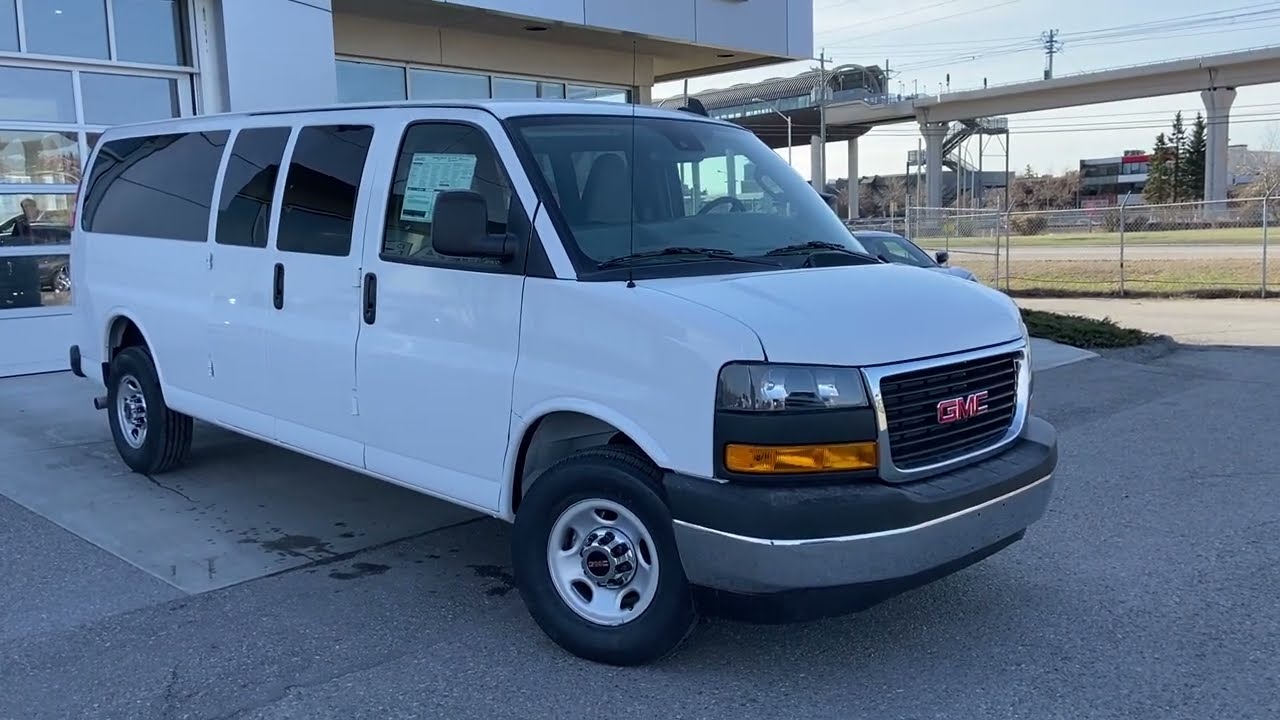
1253	323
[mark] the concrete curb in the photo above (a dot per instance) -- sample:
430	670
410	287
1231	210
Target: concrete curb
1158	347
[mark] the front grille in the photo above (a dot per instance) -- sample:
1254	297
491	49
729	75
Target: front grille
916	437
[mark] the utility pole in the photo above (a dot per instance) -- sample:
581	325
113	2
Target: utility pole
822	112
1052	46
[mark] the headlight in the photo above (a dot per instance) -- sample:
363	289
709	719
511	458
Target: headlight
764	387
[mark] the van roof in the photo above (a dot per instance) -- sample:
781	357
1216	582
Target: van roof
498	108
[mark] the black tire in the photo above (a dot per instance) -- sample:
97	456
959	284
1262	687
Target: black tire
168	434
624	477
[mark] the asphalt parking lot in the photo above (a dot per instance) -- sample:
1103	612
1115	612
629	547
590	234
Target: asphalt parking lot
1149	591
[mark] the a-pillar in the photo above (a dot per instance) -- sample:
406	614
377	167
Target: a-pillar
853	179
818	163
934	134
1217	107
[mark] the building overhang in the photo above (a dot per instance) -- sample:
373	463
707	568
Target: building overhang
658	59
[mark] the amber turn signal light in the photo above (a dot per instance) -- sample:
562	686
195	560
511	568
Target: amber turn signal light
800	458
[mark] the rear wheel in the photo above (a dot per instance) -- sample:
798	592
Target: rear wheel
149	436
596	560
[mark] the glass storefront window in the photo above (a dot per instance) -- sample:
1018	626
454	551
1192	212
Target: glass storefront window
77	28
441	85
32	281
551	90
148	31
39	157
8	26
513	89
34	95
369	82
587	92
117	99
31	219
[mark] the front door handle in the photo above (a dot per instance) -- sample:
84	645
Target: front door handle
370	298
277	290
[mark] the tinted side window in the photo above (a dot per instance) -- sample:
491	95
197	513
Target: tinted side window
319	206
157	186
244	210
435	157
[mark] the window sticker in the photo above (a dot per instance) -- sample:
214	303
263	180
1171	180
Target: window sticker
431	174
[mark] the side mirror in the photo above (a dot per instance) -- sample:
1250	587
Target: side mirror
460	227
942	256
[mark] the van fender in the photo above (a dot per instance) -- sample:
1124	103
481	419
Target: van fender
117	313
521	422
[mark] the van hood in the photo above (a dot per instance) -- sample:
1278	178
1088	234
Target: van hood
856	315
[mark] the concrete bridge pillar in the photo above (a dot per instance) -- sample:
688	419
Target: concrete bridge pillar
934	133
1217	106
853	179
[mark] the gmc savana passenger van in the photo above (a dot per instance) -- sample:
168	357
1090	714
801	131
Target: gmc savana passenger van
636	334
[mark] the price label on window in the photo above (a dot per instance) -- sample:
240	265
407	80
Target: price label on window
431	174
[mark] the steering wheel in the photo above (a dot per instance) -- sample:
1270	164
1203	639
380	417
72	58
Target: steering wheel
734	203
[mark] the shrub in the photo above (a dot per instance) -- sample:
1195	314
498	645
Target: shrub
1029	224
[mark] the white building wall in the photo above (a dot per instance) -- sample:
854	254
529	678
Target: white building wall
277	53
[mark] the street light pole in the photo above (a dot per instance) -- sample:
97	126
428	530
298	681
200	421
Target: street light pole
785	117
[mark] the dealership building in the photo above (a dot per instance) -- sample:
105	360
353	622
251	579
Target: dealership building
71	68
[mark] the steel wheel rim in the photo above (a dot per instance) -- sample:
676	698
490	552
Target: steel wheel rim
569	554
62	281
131	411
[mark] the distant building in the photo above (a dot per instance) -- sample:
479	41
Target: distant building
1105	181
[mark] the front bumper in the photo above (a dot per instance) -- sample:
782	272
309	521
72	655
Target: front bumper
874	536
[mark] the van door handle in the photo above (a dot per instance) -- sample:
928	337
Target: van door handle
277	292
370	298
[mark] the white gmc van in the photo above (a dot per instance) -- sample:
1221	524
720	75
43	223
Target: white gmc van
636	334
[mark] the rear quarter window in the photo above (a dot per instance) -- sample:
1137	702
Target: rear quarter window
157	186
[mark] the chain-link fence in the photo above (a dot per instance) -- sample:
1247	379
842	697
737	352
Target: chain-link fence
1207	249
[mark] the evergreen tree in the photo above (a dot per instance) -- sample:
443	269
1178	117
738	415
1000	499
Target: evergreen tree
1157	189
1177	151
1192	178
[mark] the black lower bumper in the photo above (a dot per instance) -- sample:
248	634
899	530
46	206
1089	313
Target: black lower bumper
791	553
74	357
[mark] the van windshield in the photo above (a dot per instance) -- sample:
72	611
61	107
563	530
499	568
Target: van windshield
663	192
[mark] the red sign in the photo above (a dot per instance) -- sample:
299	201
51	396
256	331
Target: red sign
962	408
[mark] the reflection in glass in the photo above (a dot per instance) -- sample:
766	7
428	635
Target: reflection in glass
369	82
586	92
67	27
510	88
148	31
39	156
550	90
439	85
33	95
8	26
31	281
118	99
35	219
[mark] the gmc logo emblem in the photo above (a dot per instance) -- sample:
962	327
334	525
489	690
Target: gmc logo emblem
962	408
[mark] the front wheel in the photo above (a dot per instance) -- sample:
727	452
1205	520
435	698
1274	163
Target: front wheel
596	562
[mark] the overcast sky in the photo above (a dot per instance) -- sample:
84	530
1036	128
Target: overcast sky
999	40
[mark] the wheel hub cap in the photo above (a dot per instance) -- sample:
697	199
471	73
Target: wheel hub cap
608	557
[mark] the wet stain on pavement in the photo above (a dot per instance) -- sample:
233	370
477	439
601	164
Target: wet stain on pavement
301	545
506	581
359	570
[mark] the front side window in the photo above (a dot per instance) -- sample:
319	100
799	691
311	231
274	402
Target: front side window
436	157
680	190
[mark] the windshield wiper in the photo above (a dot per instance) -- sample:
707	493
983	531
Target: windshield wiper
702	252
821	245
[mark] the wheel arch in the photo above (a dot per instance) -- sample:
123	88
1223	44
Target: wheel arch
122	330
557	429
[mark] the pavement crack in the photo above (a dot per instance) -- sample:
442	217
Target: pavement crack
173	490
